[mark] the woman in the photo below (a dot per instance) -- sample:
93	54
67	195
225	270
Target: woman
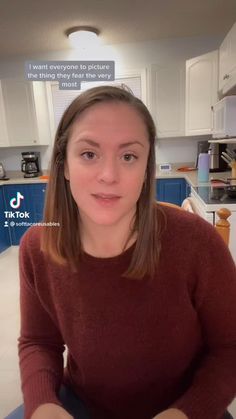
143	296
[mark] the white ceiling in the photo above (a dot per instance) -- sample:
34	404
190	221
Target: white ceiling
30	26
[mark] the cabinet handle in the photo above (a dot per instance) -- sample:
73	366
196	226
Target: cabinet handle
212	119
226	76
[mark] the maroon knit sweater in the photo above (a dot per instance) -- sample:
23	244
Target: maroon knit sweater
135	347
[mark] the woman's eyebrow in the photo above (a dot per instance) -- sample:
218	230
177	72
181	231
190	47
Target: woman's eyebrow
95	144
87	141
123	145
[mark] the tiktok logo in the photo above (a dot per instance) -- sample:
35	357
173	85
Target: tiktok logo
15	202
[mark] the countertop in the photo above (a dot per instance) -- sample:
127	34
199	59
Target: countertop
201	189
16	177
190	176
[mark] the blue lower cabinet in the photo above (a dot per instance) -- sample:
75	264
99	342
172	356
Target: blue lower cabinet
172	190
37	201
24	206
188	189
4	229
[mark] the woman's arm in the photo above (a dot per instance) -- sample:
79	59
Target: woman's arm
40	344
214	383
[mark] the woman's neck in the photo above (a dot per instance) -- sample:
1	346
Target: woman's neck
106	241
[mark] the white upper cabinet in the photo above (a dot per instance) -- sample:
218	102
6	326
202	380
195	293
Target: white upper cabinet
3	126
42	111
167	99
27	117
20	112
227	62
201	93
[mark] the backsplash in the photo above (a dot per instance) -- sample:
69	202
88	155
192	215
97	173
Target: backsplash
11	157
168	150
175	150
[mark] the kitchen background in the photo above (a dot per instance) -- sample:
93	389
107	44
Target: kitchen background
175	55
157	44
169	57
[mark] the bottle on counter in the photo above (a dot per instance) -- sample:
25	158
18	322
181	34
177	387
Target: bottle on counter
203	167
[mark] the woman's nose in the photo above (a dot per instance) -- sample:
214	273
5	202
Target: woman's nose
109	171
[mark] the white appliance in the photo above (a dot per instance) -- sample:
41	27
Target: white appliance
203	201
224	118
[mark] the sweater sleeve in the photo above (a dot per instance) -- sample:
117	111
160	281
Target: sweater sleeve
214	383
40	343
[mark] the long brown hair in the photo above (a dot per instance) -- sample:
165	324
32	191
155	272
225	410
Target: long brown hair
63	244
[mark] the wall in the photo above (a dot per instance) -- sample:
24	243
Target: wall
126	56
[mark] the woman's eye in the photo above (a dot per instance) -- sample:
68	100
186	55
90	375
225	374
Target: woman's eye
88	155
129	157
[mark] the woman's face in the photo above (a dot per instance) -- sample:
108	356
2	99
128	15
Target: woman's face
107	155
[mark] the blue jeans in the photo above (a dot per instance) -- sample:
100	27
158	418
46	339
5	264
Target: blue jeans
70	402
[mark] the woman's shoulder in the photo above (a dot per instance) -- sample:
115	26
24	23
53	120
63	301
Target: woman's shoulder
183	224
31	238
192	235
190	240
174	212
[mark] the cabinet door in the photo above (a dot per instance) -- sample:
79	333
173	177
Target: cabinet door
171	190
43	112
4	229
20	112
224	62
201	93
167	99
227	62
31	204
187	190
232	48
3	125
37	193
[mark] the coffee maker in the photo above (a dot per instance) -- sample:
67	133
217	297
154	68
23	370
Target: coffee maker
30	164
217	164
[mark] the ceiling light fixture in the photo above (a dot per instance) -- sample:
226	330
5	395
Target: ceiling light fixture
83	37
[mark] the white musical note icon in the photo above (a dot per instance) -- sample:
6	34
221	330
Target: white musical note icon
15	202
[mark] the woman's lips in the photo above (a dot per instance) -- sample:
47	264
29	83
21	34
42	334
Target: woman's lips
106	198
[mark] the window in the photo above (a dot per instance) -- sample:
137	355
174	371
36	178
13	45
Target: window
60	99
